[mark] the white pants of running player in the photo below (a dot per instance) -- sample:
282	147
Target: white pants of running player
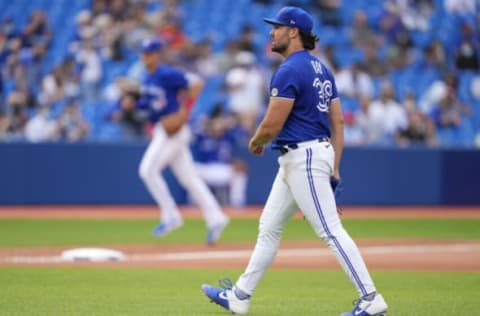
174	151
224	175
302	182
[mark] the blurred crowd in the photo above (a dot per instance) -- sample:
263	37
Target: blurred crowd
378	70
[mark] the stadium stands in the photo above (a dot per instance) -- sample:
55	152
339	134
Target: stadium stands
411	71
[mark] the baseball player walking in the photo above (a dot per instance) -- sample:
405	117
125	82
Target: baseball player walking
165	93
305	124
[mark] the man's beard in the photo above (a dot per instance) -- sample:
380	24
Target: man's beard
279	48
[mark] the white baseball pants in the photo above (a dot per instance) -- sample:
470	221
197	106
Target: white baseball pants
303	182
174	151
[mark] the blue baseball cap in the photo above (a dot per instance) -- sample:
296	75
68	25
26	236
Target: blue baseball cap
150	45
293	17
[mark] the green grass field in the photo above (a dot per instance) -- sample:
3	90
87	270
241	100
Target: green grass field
142	291
89	291
64	232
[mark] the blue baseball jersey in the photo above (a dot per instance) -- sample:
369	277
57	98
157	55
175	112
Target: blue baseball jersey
159	91
303	78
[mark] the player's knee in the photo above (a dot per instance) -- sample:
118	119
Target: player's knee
270	233
332	234
144	171
187	182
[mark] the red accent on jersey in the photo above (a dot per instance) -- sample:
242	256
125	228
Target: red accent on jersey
189	103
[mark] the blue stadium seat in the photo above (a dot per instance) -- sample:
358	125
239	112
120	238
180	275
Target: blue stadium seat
208	97
446	137
464	85
465	134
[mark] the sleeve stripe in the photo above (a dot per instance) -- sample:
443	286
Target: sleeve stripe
286	98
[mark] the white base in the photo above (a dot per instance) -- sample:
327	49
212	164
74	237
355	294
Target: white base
92	254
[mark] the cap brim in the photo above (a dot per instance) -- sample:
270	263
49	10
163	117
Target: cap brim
273	21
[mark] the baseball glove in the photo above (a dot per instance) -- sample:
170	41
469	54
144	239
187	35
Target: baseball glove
337	187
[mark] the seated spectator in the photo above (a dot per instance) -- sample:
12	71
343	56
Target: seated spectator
215	140
16	81
416	14
396	35
420	129
438	90
37	29
353	133
89	63
461	6
226	57
246	40
52	88
72	126
391	25
387	114
450	112
434	57
362	35
99	7
2	106
353	82
206	63
70	77
17	115
108	40
137	27
4	124
33	62
475	87
466	57
118	9
62	82
8	27
362	118
466	53
326	54
373	64
41	127
246	88
170	11
83	21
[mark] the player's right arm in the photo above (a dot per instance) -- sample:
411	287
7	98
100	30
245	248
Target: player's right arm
284	89
336	123
277	113
173	122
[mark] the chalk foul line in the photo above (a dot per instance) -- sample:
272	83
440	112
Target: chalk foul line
245	254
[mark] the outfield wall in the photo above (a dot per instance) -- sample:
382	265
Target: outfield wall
107	174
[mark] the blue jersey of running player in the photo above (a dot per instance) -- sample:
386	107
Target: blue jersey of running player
159	92
305	79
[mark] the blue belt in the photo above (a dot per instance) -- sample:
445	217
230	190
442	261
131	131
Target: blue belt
289	147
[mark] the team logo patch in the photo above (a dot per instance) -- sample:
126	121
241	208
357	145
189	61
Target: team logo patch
274	92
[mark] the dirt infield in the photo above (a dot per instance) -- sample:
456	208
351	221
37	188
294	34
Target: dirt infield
379	254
